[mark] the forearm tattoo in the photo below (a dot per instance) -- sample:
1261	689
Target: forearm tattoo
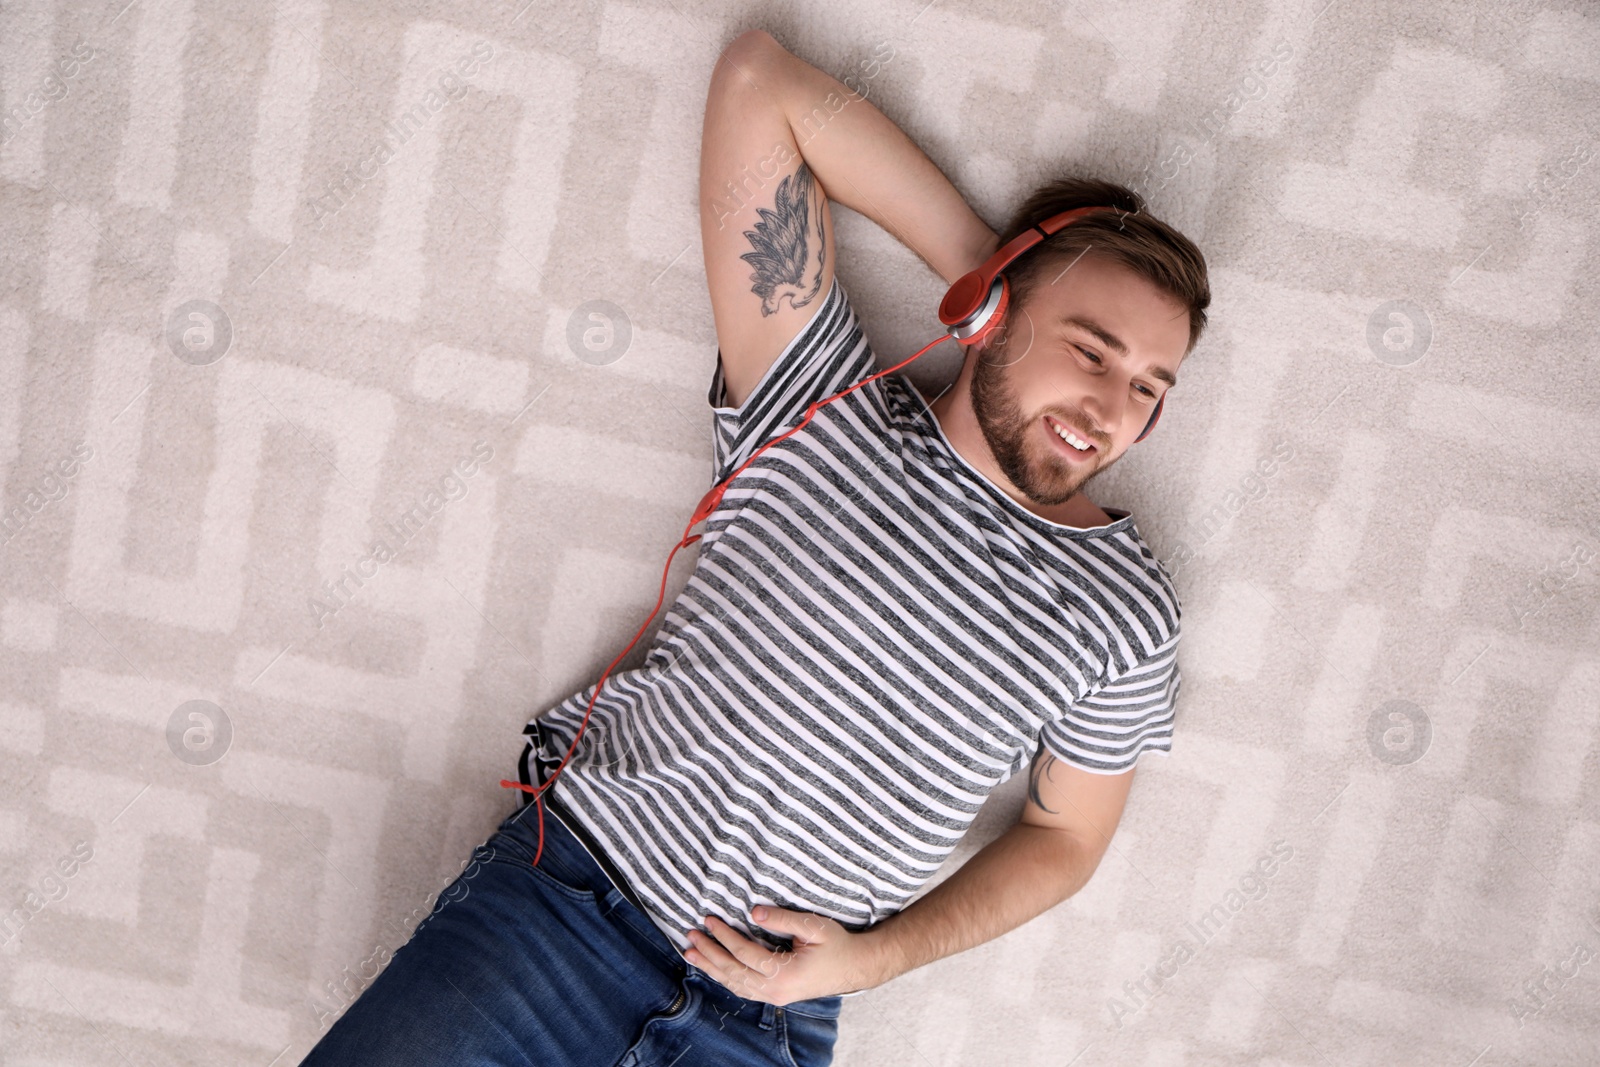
1043	760
782	243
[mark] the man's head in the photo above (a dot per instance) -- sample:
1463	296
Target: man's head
1101	315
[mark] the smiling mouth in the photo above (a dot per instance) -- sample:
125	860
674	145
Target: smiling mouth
1070	437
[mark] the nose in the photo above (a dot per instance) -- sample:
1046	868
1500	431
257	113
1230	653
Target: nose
1106	402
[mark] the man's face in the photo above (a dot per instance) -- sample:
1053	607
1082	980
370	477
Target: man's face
1089	352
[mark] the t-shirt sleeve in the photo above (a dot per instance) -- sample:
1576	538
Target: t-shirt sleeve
829	353
1107	730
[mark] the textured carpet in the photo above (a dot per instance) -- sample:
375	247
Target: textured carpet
282	280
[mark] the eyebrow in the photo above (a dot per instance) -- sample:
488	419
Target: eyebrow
1113	342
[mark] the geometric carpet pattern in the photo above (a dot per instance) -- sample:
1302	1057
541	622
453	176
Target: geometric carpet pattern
353	370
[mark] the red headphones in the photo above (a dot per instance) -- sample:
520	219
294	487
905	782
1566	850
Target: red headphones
972	309
976	304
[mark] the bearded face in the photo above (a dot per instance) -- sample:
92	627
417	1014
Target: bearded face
1028	443
1074	374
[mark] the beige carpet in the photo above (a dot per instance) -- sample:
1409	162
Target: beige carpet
237	347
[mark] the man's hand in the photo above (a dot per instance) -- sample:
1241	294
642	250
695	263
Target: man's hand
1047	856
827	959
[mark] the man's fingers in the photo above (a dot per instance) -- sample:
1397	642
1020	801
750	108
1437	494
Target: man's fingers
744	950
715	955
802	924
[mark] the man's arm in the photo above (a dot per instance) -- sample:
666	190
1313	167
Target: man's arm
869	165
1046	857
781	139
1065	828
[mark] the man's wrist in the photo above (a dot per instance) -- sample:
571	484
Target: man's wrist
989	246
883	959
983	247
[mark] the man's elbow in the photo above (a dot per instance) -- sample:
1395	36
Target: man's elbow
747	62
752	42
1080	858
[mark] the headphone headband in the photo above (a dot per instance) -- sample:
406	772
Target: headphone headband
962	307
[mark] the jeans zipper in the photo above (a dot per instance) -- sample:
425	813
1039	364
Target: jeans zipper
676	1004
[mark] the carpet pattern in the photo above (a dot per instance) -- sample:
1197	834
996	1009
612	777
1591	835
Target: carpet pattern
353	363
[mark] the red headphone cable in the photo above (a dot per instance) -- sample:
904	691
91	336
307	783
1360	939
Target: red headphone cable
707	505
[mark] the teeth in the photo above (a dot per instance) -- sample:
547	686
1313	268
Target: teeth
1072	439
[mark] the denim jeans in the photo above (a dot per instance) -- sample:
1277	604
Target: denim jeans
550	965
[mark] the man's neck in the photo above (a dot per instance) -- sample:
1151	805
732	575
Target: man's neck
959	422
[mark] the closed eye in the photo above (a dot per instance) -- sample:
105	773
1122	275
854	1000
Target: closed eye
1143	388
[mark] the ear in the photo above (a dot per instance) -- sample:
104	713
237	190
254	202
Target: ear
995	342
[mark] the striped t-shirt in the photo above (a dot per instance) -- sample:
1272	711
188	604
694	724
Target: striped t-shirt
873	637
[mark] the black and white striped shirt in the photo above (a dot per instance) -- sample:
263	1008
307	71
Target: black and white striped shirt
874	636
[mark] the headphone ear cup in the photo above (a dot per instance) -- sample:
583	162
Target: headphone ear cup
996	317
963	299
1154	415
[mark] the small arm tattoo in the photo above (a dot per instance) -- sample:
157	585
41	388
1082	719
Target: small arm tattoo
782	243
1042	762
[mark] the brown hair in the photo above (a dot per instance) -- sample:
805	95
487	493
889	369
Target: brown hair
1129	236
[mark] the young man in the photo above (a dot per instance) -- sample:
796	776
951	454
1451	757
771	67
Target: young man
890	611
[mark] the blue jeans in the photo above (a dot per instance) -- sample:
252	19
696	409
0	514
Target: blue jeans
550	965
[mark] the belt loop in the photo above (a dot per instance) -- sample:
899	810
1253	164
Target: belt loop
769	1013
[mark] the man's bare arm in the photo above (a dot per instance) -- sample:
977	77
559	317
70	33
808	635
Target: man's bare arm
1045	858
865	161
781	139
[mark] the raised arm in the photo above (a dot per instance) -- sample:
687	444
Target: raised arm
781	139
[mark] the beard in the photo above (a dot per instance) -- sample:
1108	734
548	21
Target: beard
1042	476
